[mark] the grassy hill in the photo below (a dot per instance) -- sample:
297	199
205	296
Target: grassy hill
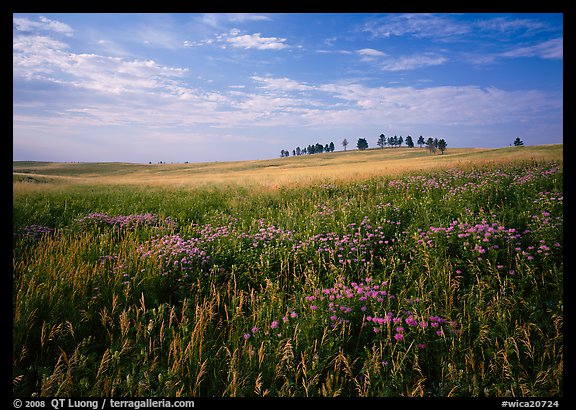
305	169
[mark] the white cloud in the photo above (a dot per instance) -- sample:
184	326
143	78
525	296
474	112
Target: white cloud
506	25
370	52
334	51
281	84
242	17
217	20
412	62
248	41
551	49
43	24
38	57
446	28
419	25
237	39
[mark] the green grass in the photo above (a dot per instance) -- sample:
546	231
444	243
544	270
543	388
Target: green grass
182	302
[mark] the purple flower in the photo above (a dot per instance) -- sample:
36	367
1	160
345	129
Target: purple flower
399	337
274	324
246	336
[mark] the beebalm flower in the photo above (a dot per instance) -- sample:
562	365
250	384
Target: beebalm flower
274	324
399	337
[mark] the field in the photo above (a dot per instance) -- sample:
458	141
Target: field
382	273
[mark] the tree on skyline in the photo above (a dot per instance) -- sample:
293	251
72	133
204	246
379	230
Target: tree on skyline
345	143
362	144
442	146
409	142
421	141
430	145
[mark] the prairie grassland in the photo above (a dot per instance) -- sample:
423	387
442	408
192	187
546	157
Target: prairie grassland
298	171
437	277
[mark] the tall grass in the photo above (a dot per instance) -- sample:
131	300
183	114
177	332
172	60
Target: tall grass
440	283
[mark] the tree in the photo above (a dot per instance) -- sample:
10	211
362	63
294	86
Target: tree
421	141
518	142
430	145
331	147
345	143
400	141
409	142
442	146
381	141
362	144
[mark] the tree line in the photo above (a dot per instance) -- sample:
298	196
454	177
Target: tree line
431	144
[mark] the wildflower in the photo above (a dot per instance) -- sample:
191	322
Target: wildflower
274	324
246	336
293	315
399	337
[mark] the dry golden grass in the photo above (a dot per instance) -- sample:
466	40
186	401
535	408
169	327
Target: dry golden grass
281	172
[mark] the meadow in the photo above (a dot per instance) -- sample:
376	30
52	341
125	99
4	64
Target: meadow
383	273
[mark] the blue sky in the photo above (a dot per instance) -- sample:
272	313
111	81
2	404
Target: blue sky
223	87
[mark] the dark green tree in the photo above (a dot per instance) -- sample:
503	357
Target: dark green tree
442	146
518	142
430	145
421	141
345	143
362	144
331	147
409	142
381	141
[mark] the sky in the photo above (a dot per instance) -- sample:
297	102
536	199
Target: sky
195	87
